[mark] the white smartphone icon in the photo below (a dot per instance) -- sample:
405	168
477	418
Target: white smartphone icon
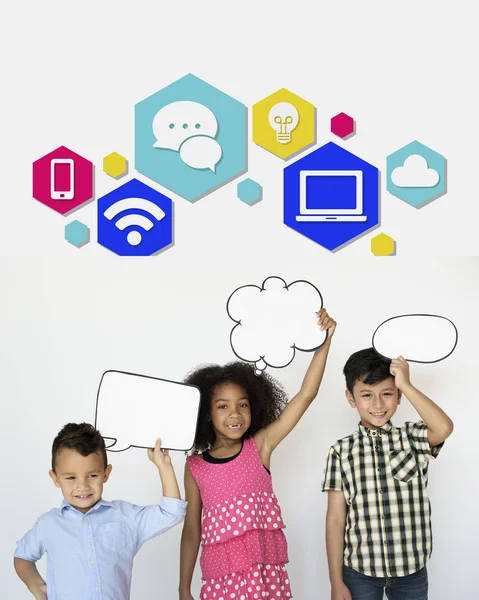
62	179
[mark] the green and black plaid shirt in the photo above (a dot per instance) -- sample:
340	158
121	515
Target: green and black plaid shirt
383	475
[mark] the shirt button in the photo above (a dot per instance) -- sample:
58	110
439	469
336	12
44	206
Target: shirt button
384	516
380	491
376	448
88	537
92	562
374	433
379	469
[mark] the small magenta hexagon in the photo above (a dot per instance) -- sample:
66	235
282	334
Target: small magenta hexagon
342	125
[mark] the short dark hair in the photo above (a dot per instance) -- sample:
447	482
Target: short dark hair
82	437
266	395
368	366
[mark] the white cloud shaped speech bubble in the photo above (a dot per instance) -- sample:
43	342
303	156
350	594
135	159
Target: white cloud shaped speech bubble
134	410
178	121
419	338
415	173
275	320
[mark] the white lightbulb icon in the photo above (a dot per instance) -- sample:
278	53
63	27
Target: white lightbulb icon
283	117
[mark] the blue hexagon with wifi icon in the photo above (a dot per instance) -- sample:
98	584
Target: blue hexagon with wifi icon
135	220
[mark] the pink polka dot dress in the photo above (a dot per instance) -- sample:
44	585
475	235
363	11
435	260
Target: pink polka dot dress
243	547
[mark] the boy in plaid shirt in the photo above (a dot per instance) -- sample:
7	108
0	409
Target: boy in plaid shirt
378	524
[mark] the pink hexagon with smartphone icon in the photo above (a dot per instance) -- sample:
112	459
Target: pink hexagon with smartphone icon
62	180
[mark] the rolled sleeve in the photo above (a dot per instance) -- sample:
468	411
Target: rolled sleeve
417	434
153	520
332	473
32	546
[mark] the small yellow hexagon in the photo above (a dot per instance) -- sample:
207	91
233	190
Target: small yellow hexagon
115	165
382	245
284	123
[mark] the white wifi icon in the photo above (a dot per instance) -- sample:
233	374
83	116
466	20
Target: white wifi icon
134	237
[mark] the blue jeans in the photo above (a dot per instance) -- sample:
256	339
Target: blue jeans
363	587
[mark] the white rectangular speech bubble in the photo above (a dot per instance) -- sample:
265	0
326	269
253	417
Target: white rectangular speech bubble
135	410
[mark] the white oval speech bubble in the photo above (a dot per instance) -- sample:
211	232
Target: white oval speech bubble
178	121
134	410
274	320
201	152
419	338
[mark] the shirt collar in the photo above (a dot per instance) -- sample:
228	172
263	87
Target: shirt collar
67	506
372	432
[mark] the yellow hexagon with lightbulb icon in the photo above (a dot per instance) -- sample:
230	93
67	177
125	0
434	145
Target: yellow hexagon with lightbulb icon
284	123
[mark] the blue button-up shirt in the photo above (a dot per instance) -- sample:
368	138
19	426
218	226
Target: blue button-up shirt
90	556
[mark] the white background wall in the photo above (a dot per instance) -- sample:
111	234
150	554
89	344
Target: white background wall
72	73
65	321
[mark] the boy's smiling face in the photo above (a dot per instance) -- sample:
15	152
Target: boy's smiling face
80	478
376	404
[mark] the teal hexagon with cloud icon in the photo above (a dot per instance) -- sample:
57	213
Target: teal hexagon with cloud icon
190	137
416	174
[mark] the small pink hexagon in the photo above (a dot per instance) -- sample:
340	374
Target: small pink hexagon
62	180
342	125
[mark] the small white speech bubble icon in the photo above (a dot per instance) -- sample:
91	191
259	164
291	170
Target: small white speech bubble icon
275	320
419	338
201	152
134	410
178	121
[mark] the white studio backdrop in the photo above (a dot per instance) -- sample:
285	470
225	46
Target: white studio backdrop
402	72
63	322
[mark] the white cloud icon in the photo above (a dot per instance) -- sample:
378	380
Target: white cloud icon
415	173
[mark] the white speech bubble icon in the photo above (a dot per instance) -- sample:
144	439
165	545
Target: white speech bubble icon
201	152
134	410
275	320
419	338
178	121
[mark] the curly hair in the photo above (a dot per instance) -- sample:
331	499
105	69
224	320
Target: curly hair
266	395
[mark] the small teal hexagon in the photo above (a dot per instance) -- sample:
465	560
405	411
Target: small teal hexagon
77	233
190	137
249	191
416	174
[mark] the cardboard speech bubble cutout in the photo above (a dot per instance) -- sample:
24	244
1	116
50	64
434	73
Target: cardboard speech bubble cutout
135	410
274	320
419	338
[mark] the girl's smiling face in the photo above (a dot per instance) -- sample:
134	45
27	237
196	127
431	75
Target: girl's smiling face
230	411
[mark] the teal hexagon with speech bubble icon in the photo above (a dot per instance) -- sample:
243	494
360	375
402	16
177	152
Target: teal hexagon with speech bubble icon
416	174
190	137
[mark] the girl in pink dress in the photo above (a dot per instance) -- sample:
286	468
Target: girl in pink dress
232	510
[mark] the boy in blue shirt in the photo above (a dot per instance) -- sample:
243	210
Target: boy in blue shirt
91	542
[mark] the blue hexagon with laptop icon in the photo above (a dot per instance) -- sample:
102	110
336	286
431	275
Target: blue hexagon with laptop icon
331	196
191	137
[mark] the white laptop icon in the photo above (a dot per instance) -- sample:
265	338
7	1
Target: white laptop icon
331	196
